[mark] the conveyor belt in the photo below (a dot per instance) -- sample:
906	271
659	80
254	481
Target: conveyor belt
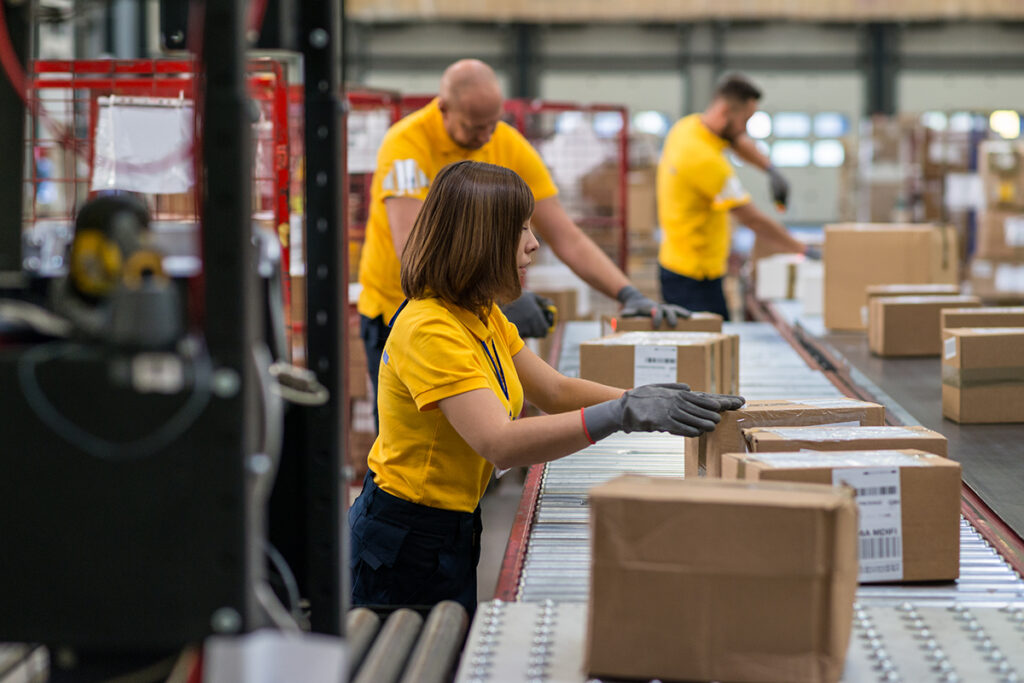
555	564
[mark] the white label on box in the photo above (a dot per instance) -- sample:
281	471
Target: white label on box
981	268
881	520
654	364
1013	229
829	402
864	316
950	348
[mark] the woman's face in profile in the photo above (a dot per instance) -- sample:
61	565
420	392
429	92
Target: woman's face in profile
527	245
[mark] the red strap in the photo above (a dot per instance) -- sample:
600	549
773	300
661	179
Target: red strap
585	432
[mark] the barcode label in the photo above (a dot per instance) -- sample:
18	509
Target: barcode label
654	364
880	546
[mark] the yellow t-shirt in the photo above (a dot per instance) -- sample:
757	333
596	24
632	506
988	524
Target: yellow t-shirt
696	189
434	352
410	156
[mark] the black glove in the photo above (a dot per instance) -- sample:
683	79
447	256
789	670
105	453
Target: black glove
636	305
779	186
813	253
532	314
669	408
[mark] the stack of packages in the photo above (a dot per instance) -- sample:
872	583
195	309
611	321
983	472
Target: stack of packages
857	256
905	320
801	500
983	365
997	271
788	276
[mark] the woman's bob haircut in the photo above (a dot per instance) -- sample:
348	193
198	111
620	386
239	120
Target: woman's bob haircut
462	248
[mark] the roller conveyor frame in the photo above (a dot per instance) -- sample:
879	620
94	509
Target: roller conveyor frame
989	548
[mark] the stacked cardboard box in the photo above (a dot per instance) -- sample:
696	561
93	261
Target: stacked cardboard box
698	322
1001	234
909	505
860	255
1001	167
810	287
905	290
999	282
831	438
761	589
704	453
910	325
707	361
983	374
997	316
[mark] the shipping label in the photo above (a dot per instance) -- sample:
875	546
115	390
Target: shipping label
1013	228
949	347
654	365
881	520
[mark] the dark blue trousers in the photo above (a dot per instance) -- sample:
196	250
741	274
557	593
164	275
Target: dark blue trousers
696	295
374	332
409	554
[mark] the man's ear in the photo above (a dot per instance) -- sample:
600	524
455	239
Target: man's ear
442	104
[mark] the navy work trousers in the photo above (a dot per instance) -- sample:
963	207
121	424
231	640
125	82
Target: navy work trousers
374	332
696	295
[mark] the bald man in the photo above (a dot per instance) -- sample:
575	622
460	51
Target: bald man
464	122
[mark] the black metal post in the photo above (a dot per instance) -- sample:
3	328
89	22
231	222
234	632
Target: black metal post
882	67
231	298
320	38
12	143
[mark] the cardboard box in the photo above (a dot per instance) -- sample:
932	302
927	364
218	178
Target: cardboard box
923	494
810	287
704	453
905	290
761	589
641	203
860	255
910	325
829	438
777	276
707	361
1001	167
994	316
983	374
1000	234
997	281
698	322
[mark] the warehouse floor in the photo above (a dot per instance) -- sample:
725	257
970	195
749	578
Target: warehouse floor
498	509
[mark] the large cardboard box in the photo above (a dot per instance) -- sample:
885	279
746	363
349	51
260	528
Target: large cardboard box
698	322
761	589
704	453
905	290
999	282
993	316
810	287
860	255
633	358
909	505
831	438
641	203
910	325
1000	234
983	374
777	276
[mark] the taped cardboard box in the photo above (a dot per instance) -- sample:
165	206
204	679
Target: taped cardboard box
761	590
777	276
704	453
905	290
991	316
698	322
909	504
910	325
778	439
997	282
983	375
634	358
1000	234
1001	167
860	255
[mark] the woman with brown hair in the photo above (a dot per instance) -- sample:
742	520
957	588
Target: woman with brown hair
453	377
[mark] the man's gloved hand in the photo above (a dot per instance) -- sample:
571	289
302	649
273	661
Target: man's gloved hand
636	305
813	252
779	187
532	314
669	408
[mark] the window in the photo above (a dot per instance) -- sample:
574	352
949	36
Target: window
830	125
1006	123
828	153
789	124
759	126
652	122
791	153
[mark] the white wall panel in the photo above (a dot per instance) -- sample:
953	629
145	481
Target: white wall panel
661	91
919	91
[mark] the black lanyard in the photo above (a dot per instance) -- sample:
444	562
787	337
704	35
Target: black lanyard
496	366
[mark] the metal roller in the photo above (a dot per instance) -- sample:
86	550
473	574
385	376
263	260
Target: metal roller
361	626
437	650
387	656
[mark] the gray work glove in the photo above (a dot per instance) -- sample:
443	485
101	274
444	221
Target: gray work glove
636	305
779	187
813	253
669	408
532	314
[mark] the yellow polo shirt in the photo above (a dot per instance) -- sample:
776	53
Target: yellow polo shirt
434	352
410	156
696	190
